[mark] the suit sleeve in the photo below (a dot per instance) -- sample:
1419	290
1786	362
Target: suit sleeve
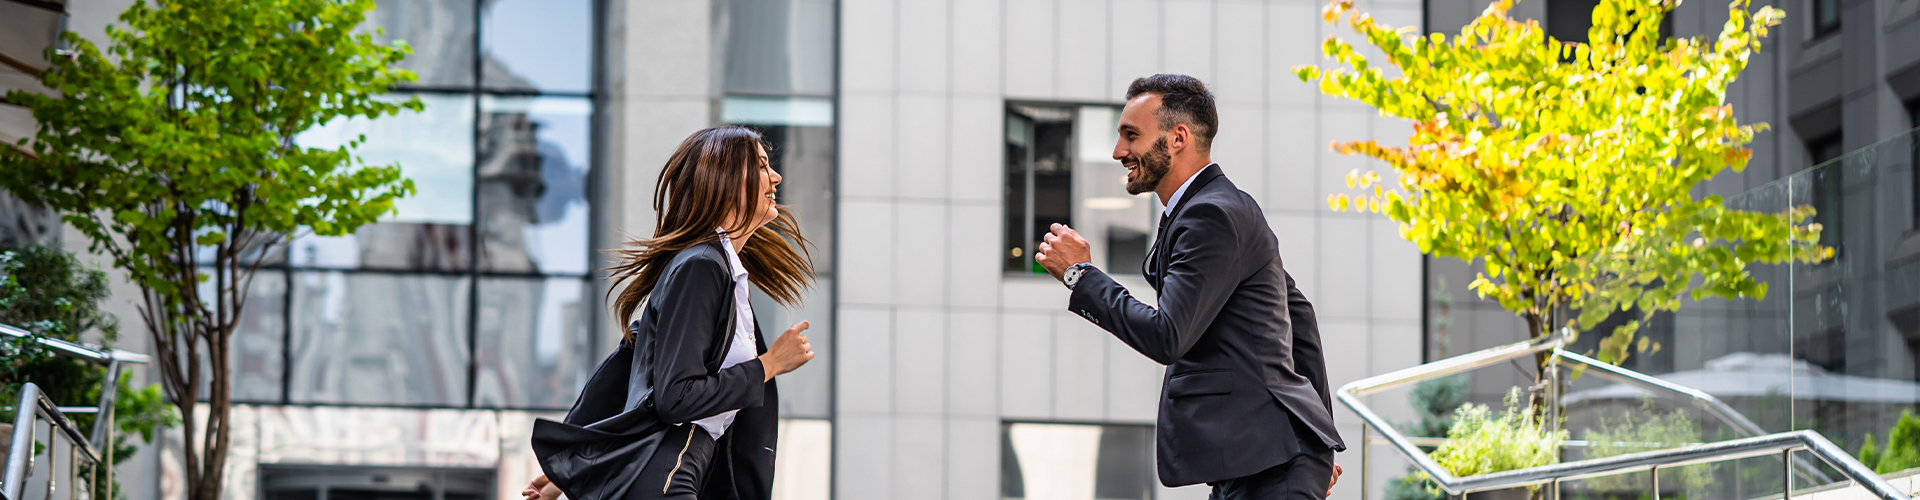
1309	360
688	303
1199	281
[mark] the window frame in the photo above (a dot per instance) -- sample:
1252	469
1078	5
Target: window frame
1077	196
476	93
1816	28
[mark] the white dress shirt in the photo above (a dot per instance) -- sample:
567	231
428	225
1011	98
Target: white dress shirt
743	348
1174	200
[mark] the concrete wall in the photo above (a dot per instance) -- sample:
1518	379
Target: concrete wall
939	346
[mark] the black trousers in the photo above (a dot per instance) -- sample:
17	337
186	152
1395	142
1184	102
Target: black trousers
1303	478
678	467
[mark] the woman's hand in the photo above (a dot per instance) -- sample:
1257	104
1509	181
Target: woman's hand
787	352
541	489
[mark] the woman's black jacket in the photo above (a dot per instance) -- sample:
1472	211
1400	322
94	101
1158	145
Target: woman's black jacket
670	374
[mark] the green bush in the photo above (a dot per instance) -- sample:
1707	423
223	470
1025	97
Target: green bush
1436	400
50	294
1648	430
1482	442
1902	451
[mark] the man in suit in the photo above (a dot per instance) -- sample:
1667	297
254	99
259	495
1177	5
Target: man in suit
1245	408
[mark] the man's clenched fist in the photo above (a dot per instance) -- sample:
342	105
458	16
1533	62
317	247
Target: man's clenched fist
1060	249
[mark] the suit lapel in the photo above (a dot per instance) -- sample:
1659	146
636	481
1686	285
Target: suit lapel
1156	257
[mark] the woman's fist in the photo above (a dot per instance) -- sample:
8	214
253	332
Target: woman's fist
787	352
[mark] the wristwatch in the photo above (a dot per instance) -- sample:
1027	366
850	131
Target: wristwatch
1072	276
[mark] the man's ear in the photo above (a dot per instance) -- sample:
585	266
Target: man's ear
1179	139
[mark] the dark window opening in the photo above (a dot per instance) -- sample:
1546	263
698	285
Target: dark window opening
1913	161
1825	190
1569	20
1826	17
1039	180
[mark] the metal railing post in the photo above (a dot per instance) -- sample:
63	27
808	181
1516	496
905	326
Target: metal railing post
20	453
1365	465
1655	472
1786	482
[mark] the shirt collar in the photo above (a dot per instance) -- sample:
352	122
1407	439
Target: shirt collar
1174	201
733	257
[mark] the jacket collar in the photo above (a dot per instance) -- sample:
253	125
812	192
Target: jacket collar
1194	186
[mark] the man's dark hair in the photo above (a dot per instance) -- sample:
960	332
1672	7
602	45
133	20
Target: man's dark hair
1183	99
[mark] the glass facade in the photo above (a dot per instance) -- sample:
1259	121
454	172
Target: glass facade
1060	169
475	293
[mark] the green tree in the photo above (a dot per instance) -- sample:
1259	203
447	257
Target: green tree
1566	170
49	293
173	152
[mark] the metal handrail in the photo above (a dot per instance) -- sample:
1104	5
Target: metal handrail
34	405
114	360
1783	443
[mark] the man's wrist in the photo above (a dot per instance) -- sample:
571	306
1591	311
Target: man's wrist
1074	273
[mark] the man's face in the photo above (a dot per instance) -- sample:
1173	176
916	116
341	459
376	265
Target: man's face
1142	147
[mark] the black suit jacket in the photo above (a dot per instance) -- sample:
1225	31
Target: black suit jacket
671	374
1245	372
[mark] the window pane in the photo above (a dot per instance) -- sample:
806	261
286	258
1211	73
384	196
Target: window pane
1019	130
533	197
804	158
535	348
1076	461
537	45
1118	226
434	149
256	354
440	33
389	245
1041	162
379	339
778	46
804	393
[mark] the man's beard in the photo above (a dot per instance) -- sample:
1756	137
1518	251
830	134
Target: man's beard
1149	167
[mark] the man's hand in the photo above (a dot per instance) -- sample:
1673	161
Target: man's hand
1060	249
541	489
1335	479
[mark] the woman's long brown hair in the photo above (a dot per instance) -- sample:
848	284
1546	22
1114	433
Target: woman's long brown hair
706	178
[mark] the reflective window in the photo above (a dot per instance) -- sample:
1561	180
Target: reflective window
533	184
1042	461
778	47
534	348
1058	172
798	132
257	343
497	229
433	147
537	45
440	32
379	339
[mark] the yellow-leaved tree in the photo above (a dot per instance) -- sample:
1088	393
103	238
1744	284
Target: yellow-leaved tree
1566	170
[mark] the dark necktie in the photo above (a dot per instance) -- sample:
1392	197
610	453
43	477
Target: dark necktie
1150	266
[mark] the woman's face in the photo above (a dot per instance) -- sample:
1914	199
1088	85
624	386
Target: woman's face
764	187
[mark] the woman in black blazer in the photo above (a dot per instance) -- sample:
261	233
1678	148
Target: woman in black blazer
686	408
